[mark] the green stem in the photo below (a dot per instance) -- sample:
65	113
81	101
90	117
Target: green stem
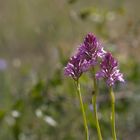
83	110
94	100
112	96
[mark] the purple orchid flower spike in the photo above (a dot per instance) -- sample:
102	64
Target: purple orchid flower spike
109	70
90	50
75	67
93	45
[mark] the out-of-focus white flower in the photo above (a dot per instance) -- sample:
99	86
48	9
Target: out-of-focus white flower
50	121
38	113
15	113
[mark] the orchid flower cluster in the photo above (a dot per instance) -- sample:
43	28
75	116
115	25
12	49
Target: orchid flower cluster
87	57
90	54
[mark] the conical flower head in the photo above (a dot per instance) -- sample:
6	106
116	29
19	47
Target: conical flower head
109	70
91	49
75	67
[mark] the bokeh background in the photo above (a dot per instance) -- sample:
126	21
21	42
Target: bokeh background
37	37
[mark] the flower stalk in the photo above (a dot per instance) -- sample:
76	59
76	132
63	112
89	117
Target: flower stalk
94	103
112	117
82	109
86	57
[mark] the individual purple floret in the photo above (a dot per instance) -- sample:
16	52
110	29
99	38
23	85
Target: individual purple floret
75	67
91	49
109	70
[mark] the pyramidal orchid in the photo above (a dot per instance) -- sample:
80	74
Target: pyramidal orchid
75	67
86	58
90	50
109	70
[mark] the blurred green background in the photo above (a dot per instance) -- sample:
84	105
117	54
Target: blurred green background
36	39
